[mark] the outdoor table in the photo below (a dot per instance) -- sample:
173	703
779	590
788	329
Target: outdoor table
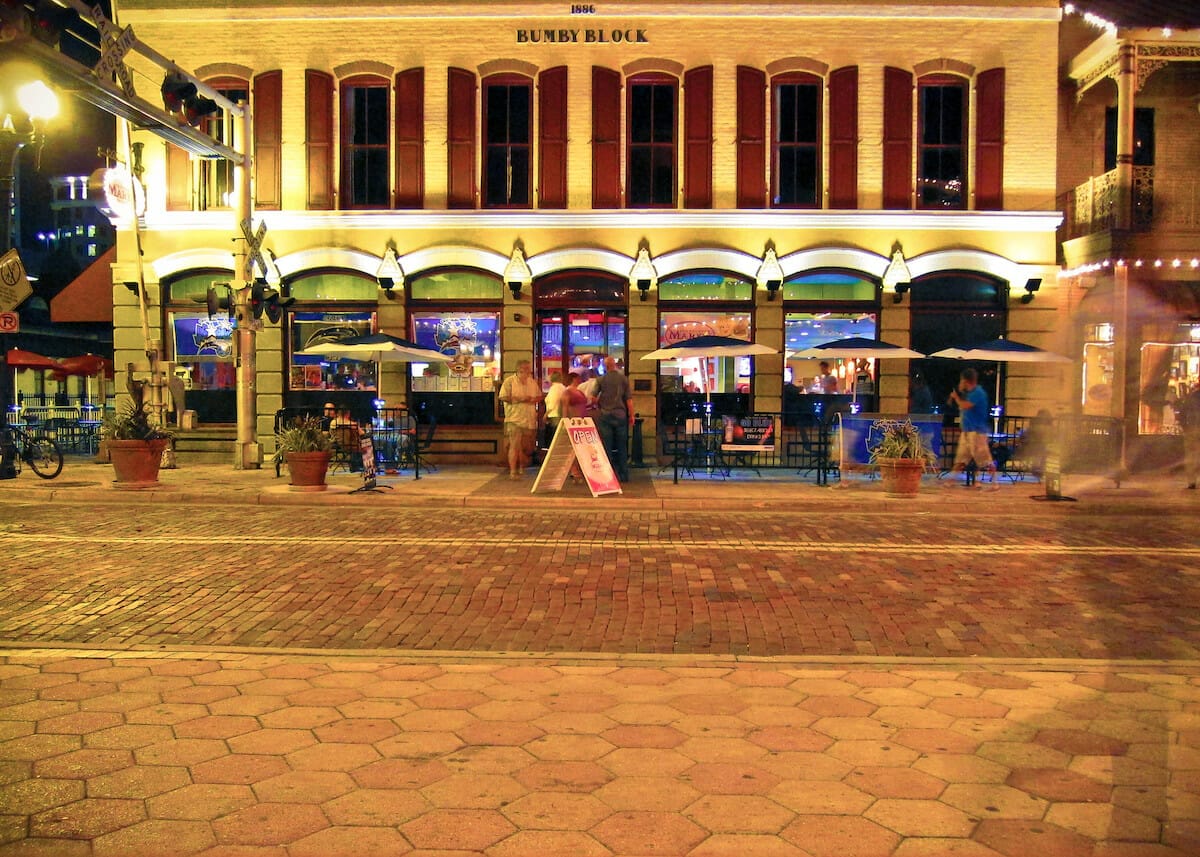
701	449
393	445
89	435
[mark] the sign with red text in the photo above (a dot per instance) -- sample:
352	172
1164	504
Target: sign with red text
577	440
10	322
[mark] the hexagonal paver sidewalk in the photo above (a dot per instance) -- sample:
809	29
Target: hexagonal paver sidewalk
134	755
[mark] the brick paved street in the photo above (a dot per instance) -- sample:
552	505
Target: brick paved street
970	677
827	584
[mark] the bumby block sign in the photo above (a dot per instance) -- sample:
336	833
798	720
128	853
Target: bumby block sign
577	440
589	36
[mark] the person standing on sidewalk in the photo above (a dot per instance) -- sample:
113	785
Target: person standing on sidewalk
614	405
554	408
521	395
973	445
1188	411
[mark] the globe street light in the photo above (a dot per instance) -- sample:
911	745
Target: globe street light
25	108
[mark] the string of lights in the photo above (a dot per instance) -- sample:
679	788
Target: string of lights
1092	267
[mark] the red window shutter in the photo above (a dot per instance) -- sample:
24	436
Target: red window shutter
268	137
897	138
552	138
318	137
989	140
751	138
410	139
460	139
179	179
606	138
843	138
698	137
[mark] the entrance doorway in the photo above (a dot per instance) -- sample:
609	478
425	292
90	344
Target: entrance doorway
578	340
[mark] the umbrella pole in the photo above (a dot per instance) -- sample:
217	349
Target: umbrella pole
996	405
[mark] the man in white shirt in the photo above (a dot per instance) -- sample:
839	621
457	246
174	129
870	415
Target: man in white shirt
521	395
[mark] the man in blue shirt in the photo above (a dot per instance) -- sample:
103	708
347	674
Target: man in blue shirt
972	403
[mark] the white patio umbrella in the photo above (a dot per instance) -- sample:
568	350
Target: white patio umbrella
378	347
703	347
1002	351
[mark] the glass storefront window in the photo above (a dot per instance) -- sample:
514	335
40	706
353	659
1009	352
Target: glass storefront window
328	372
457	285
1099	353
809	329
704	286
203	349
590	337
694	375
471	338
1170	369
828	286
335	287
461	392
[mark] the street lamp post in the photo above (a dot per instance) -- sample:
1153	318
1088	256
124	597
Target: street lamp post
24	110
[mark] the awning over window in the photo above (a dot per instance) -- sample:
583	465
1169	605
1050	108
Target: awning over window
89	296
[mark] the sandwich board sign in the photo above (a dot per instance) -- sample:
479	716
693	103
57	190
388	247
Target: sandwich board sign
577	439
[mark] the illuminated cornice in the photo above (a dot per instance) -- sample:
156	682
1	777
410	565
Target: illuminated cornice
888	221
271	10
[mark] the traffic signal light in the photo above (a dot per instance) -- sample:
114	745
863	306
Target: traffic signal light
218	299
264	299
49	20
179	96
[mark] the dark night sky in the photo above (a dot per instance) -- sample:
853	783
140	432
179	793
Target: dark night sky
70	145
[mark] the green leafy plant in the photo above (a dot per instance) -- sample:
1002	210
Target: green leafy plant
303	434
131	420
898	439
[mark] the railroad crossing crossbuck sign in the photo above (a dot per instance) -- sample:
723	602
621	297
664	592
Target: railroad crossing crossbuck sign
14	285
254	242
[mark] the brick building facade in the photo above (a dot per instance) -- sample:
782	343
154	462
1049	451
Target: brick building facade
562	186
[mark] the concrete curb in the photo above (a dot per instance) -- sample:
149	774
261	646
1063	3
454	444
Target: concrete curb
650	491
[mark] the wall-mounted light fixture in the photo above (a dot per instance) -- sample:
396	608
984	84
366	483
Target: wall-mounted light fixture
770	273
1031	286
643	275
516	273
896	277
389	272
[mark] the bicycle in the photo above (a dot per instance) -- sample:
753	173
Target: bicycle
41	453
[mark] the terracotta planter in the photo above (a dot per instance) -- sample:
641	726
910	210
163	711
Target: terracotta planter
306	470
136	462
901	476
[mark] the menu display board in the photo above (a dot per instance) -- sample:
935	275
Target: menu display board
577	440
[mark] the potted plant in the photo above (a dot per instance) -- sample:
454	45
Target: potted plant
135	445
306	447
902	453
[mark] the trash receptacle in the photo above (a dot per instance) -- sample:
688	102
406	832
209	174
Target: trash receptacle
636	459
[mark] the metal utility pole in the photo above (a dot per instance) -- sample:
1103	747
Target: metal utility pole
109	85
249	451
